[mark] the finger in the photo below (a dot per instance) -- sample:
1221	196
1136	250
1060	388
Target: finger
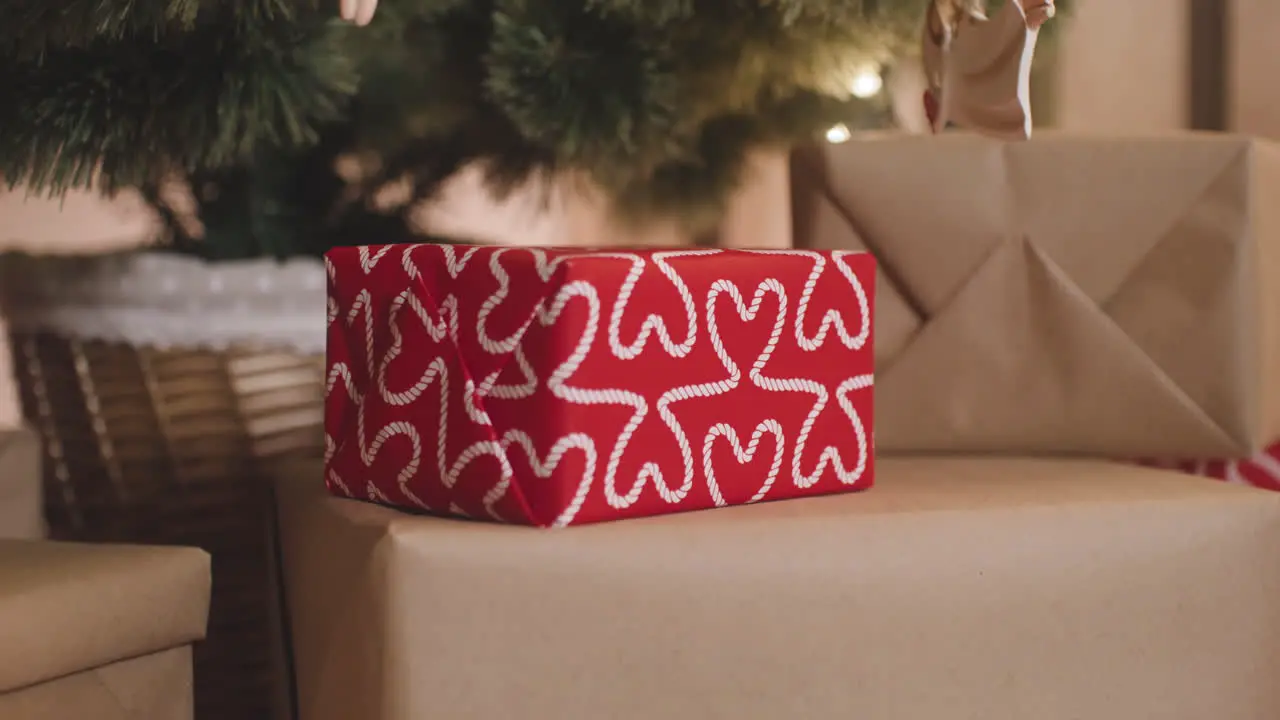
347	9
1044	9
1038	14
365	14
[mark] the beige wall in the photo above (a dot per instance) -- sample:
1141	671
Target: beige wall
1122	66
1253	102
80	223
567	214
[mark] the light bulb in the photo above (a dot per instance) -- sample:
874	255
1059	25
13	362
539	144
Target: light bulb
866	82
838	134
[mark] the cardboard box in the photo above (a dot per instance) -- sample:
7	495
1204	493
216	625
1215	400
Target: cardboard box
21	486
958	588
1108	296
99	631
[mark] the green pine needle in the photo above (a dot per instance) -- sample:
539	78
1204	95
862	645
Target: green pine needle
32	27
590	89
129	110
656	101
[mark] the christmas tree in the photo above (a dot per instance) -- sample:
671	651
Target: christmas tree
657	102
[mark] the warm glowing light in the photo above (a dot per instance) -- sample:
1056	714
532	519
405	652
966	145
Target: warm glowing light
838	134
866	83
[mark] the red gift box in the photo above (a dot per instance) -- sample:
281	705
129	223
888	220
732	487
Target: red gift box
557	387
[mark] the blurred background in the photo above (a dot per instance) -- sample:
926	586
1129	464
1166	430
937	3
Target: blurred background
1150	65
1138	66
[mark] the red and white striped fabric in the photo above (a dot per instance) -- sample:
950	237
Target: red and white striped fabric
1261	471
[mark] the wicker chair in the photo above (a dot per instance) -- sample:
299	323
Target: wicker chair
175	446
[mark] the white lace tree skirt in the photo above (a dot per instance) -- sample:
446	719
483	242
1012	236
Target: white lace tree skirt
170	301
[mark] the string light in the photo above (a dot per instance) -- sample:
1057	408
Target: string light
866	82
838	134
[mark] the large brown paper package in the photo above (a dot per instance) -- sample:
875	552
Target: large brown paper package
568	213
1117	297
21	491
996	589
99	631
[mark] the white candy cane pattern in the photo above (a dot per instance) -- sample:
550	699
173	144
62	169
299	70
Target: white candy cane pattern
1261	470
407	340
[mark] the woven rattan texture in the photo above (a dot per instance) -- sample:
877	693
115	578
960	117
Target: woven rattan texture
175	447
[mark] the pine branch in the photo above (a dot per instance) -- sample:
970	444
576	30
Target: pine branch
30	28
628	89
126	112
658	101
591	88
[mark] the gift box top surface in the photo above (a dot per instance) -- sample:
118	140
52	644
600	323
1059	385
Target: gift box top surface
1071	294
994	589
68	607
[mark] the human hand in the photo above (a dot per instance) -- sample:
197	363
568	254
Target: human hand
1038	12
358	12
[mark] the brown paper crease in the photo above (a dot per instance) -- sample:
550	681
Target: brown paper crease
1102	296
67	607
152	687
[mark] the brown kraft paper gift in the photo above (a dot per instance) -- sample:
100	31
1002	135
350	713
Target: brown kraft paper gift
100	632
999	589
1118	297
21	489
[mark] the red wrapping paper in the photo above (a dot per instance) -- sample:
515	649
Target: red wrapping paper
1260	471
559	387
